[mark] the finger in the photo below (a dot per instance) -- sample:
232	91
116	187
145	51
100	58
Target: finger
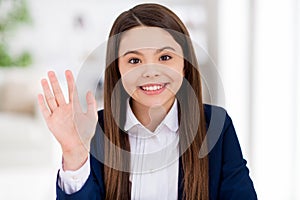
48	95
70	82
46	113
72	89
59	96
91	105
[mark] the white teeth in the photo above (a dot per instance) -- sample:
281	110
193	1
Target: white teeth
152	88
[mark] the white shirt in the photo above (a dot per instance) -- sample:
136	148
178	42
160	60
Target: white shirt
154	160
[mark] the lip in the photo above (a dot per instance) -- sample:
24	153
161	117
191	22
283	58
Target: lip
152	86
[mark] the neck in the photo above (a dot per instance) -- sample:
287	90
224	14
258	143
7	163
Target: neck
151	117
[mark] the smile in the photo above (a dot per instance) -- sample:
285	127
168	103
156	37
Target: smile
153	88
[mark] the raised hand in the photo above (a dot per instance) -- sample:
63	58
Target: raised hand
72	127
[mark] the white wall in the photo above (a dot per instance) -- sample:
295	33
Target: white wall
260	68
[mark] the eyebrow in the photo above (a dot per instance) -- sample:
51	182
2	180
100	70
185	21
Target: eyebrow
157	51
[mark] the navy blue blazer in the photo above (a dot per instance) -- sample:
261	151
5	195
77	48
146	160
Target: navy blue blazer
228	174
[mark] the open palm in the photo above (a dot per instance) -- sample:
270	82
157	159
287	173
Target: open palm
72	127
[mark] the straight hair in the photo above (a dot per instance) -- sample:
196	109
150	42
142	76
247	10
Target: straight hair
195	179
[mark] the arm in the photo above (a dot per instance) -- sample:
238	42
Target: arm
72	128
92	188
236	182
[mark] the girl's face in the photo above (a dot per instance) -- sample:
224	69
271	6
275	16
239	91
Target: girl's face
151	66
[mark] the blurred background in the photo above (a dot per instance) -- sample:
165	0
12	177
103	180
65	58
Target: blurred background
254	46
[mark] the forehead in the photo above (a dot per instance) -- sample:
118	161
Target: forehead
143	37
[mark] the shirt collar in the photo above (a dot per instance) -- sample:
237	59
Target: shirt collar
171	119
131	120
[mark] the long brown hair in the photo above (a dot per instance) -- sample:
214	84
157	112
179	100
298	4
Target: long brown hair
195	181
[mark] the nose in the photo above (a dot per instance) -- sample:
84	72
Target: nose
151	71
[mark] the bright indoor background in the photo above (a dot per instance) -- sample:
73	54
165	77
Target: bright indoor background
254	45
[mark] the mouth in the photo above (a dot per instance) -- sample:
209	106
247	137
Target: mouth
154	88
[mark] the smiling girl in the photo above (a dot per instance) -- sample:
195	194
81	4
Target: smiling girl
155	139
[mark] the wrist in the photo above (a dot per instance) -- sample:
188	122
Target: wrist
75	159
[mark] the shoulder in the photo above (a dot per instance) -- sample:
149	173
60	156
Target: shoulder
216	116
219	127
227	167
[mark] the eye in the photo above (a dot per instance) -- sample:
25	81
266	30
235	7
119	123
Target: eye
165	57
134	61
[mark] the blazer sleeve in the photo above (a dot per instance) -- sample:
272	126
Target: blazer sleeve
93	189
235	180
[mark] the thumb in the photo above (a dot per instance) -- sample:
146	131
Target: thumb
91	105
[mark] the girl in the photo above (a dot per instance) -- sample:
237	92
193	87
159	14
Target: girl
159	141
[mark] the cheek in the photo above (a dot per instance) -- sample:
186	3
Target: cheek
129	80
125	79
128	84
176	75
128	88
122	67
181	68
178	65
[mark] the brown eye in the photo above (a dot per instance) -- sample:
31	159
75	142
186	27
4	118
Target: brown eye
165	57
134	61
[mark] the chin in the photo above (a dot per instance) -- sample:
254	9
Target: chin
155	102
